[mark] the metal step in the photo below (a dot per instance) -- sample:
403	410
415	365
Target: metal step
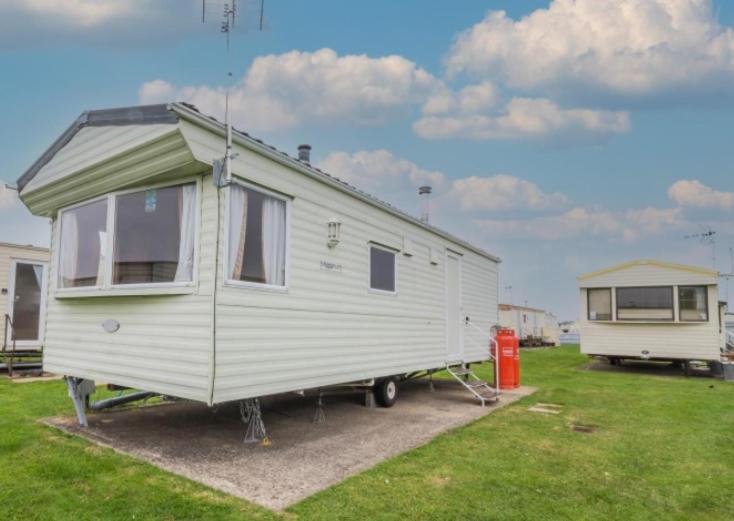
479	388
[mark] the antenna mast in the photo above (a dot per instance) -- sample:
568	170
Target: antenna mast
229	19
707	237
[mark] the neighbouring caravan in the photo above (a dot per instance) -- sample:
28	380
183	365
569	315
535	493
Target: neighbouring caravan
534	327
655	310
170	276
22	300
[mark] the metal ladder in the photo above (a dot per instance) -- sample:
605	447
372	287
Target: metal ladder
475	385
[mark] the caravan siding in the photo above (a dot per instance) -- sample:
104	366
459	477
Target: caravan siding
673	339
685	340
328	327
164	341
8	254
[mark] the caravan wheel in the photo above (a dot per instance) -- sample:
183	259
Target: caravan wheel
386	391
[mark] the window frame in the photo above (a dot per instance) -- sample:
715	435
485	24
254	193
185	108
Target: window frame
617	308
706	300
612	315
388	249
248	284
107	287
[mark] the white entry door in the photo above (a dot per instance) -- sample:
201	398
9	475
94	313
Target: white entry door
26	302
455	347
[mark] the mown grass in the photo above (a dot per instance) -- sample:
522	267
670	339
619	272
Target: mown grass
663	448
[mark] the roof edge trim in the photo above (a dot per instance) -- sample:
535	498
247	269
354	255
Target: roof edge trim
648	262
138	115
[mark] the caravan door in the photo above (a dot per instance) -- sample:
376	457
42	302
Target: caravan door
27	300
454	340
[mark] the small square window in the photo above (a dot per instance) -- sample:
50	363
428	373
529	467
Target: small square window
382	269
693	303
600	303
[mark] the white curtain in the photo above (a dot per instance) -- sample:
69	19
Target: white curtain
69	249
273	239
185	268
237	230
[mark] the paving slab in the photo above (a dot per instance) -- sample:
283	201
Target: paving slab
206	444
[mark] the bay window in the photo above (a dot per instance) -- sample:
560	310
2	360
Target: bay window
82	245
645	303
693	303
256	237
151	233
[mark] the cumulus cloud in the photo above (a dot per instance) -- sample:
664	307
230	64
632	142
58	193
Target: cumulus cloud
281	91
696	194
120	22
584	223
503	192
522	118
628	47
8	197
379	172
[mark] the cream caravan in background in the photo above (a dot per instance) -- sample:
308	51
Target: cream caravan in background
650	309
283	279
533	326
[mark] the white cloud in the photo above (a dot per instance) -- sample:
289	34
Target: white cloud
522	118
694	193
281	91
472	98
379	172
121	22
503	192
8	197
629	47
583	223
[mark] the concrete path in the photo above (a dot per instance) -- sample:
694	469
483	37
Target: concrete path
206	445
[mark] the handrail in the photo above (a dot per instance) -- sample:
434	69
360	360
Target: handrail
495	357
729	340
8	321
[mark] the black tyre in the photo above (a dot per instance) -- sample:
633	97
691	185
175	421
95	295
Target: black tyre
386	391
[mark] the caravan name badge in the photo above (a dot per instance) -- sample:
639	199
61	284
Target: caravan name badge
331	266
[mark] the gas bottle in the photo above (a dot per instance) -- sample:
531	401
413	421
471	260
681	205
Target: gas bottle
509	370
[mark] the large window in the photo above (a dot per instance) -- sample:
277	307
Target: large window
382	269
257	237
693	303
152	234
600	303
82	245
645	303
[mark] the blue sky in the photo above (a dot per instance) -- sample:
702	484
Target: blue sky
563	136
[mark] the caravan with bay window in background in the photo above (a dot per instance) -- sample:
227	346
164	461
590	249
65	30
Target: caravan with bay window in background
652	310
168	278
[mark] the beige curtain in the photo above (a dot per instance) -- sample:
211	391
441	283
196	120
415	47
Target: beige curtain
237	230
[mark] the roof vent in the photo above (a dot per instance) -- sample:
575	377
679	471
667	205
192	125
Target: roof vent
304	153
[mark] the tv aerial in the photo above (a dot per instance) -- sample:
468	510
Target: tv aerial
230	16
707	237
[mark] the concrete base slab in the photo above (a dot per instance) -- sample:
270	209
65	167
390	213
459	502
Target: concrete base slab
206	445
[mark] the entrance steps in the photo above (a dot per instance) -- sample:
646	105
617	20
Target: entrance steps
481	390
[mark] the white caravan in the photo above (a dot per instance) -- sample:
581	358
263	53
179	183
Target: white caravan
171	276
648	309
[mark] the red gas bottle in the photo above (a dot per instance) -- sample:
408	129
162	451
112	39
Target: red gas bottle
509	358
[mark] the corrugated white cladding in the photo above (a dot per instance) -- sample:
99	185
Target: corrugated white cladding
684	340
672	339
327	327
164	341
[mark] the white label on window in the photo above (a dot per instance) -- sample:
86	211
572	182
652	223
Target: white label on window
593	315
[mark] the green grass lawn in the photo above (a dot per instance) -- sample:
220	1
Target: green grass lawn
663	449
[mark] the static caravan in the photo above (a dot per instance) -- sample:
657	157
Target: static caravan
22	302
175	275
551	330
647	309
528	324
